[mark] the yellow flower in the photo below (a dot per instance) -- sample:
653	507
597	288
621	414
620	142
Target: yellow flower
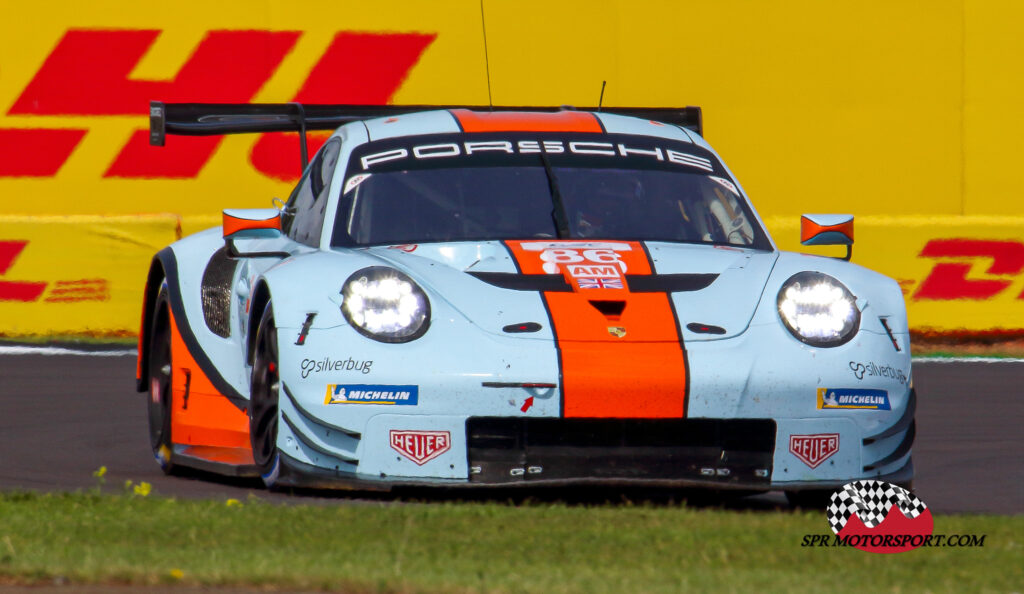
99	472
142	488
177	573
233	503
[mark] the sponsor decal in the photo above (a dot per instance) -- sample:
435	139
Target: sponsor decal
728	185
371	394
555	258
577	270
600	283
421	446
354	181
949	279
812	450
869	369
853	398
326	364
617	331
405	247
597	276
523	147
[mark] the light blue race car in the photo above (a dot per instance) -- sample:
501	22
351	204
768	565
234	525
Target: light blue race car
517	296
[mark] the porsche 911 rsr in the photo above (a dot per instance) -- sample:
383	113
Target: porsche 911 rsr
457	297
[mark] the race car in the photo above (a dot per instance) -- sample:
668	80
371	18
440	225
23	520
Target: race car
457	296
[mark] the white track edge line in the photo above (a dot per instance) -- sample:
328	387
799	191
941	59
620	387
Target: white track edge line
31	350
966	360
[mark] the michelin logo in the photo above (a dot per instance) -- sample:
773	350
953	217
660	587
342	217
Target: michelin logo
853	398
371	394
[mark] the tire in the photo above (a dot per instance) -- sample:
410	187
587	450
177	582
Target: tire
264	414
161	373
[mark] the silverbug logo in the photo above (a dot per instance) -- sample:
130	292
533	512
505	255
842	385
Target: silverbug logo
879	517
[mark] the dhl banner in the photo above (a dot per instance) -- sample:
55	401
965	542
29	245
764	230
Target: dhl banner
84	275
79	275
958	274
878	108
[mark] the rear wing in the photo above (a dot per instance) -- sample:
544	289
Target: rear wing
211	119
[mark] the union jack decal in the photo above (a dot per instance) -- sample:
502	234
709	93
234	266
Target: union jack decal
600	283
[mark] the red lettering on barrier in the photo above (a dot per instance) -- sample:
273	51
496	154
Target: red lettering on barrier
36	152
66	291
277	155
70	291
9	251
16	290
88	73
357	68
948	280
183	157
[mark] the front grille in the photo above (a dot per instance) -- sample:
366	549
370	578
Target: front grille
503	450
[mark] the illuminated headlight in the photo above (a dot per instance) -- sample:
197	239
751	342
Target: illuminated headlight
818	309
385	305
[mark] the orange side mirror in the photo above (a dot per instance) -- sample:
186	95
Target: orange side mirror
827	229
250	219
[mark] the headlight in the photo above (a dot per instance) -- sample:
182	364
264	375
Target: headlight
385	305
818	309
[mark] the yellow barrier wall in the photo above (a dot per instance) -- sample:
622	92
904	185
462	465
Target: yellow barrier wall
882	109
958	274
77	275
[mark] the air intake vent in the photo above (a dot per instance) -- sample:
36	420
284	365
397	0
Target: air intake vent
610	309
216	292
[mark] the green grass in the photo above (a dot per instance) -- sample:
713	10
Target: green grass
480	546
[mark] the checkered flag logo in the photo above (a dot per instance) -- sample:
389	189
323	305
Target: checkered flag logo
871	501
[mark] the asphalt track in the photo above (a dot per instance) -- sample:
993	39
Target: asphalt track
63	416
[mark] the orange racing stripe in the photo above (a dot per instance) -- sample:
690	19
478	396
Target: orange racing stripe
526	121
621	353
207	418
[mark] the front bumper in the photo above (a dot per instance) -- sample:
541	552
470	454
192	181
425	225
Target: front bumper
721	454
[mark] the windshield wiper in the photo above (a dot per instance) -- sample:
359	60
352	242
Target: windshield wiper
558	212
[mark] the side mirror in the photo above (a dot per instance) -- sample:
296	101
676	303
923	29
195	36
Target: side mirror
828	229
254	223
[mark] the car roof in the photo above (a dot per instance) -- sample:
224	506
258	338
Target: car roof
453	121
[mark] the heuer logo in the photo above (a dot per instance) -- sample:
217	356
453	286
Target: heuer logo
421	446
814	449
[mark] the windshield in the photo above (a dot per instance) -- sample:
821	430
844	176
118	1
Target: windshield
652	189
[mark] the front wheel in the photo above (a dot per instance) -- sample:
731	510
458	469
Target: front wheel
161	368
263	408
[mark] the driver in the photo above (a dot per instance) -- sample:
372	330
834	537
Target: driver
604	203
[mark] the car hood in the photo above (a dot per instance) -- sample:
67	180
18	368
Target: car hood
712	291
